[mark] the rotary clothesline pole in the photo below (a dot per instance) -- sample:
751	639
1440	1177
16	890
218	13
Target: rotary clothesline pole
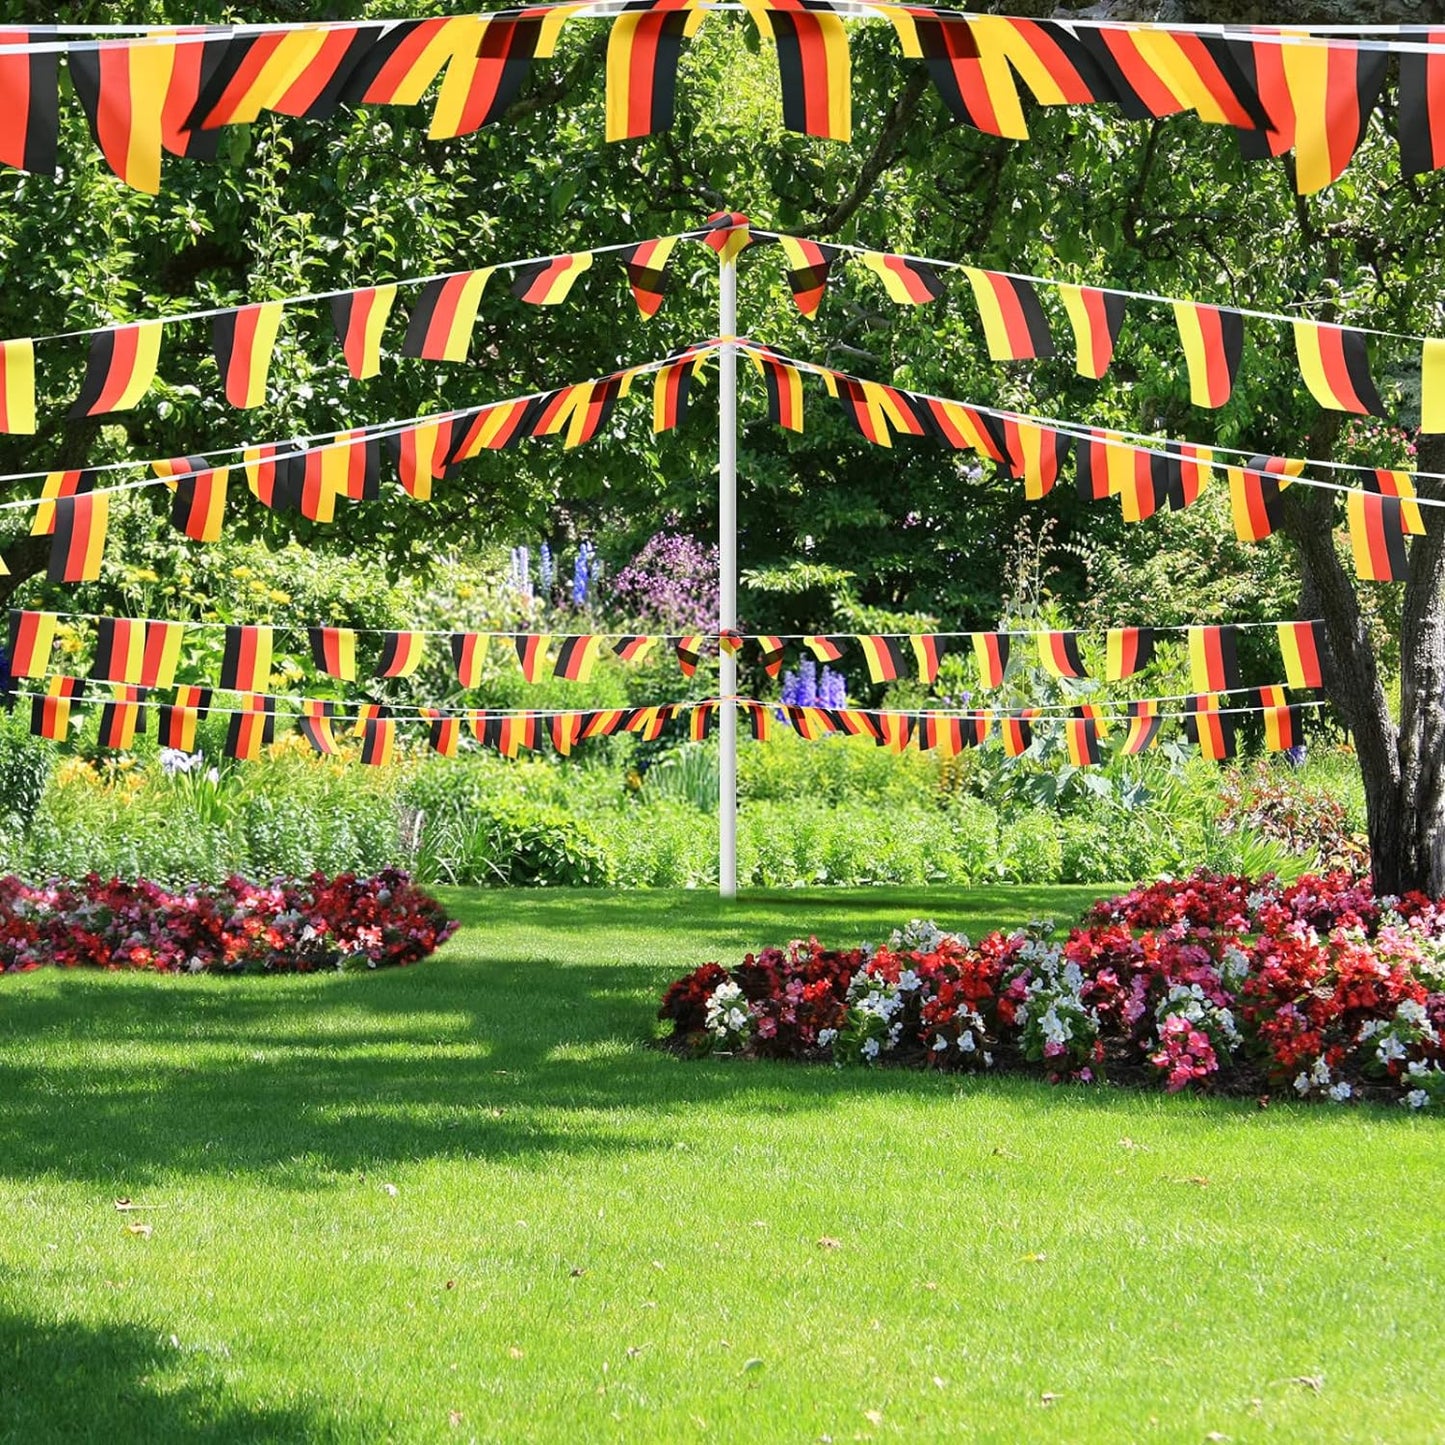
727	546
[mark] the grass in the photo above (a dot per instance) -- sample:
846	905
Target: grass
462	1201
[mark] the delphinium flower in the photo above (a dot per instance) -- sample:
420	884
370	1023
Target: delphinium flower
521	573
832	688
584	573
546	572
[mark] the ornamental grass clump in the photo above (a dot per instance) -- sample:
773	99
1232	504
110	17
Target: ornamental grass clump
1216	982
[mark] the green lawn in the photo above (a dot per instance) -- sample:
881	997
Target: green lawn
462	1201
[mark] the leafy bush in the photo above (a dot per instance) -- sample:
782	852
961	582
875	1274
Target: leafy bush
1031	850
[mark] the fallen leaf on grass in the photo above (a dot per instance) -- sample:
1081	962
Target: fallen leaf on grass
1201	1180
139	1229
633	1351
873	1417
1048	1397
929	1284
1309	1382
578	1272
826	1241
752	1364
514	1352
1038	1258
390	1189
1003	1153
454	1418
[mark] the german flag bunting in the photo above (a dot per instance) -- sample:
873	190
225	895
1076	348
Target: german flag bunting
964	428
378	742
907	281
825	649
1302	647
198	699
546	283
120	368
1187	475
162	654
50	714
760	720
420	453
252	727
493	428
32	634
1017	731
1283	727
1081	729
531	650
1035	454
1377	537
56	485
1104	465
1213	342
895	731
300	71
246	659
670	394
176	727
576	657
78	547
770	649
119	650
565	730
943	735
1213	732
360	318
443	732
333	650
1059	654
592	409
1014	325
990	651
468	651
977	86
700	720
314	725
1096	318
646	265
1213	658
1048	58
1421	123
1144	726
784	384
401	653
1145	483
122	718
644	49
877	411
401	63
1333	88
855	722
1127	650
813	66
808	267
198	506
602	723
689	652
809	723
244	341
29	106
648	722
1254	494
17	371
633	649
1336	368
888	658
440	327
1399	484
122	87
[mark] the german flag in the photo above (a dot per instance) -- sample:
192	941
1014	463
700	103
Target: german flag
120	368
907	281
531	649
977	86
243	341
1377	536
941	734
646	265
825	649
856	723
1333	88
403	60
1103	465
1283	724
1144	725
895	730
1213	658
1127	650
1081	734
592	408
602	723
1254	492
808	267
1399	484
32	634
1014	325
420	454
670	394
378	742
1213	342
784	384
198	507
576	657
315	725
440	328
119	649
333	650
511	732
17	375
813	66
29	106
1059	654
359	318
565	730
1048	57
1422	108
251	728
810	723
877	411
1035	453
351	467
1302	647
689	652
196	64
401	653
644	48
887	657
965	428
50	714
444	732
647	722
267	469
176	727
770	653
197	699
1096	318
490	428
56	485
122	87
1187	475
1211	731
121	719
633	648
700	720
990	650
1336	367
162	653
1017	731
468	650
79	537
310	482
546	283
301	71
246	660
1145	483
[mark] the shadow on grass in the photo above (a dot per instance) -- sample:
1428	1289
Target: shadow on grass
71	1381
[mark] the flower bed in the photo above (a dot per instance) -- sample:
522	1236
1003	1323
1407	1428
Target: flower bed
232	927
1215	982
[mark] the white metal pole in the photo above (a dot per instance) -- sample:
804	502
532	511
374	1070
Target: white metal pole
727	546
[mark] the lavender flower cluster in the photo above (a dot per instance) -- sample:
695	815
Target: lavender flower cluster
671	583
806	688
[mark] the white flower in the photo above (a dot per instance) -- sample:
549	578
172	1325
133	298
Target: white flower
939	1044
1341	1092
1302	1084
826	1037
870	1049
1234	966
987	1059
1417	1068
1390	1048
966	1043
1320	1074
908	981
1417	1099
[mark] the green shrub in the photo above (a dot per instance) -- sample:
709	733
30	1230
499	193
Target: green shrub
1032	852
24	769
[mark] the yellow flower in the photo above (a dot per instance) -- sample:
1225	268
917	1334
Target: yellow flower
276	595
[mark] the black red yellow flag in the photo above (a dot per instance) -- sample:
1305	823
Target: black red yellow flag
29	105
